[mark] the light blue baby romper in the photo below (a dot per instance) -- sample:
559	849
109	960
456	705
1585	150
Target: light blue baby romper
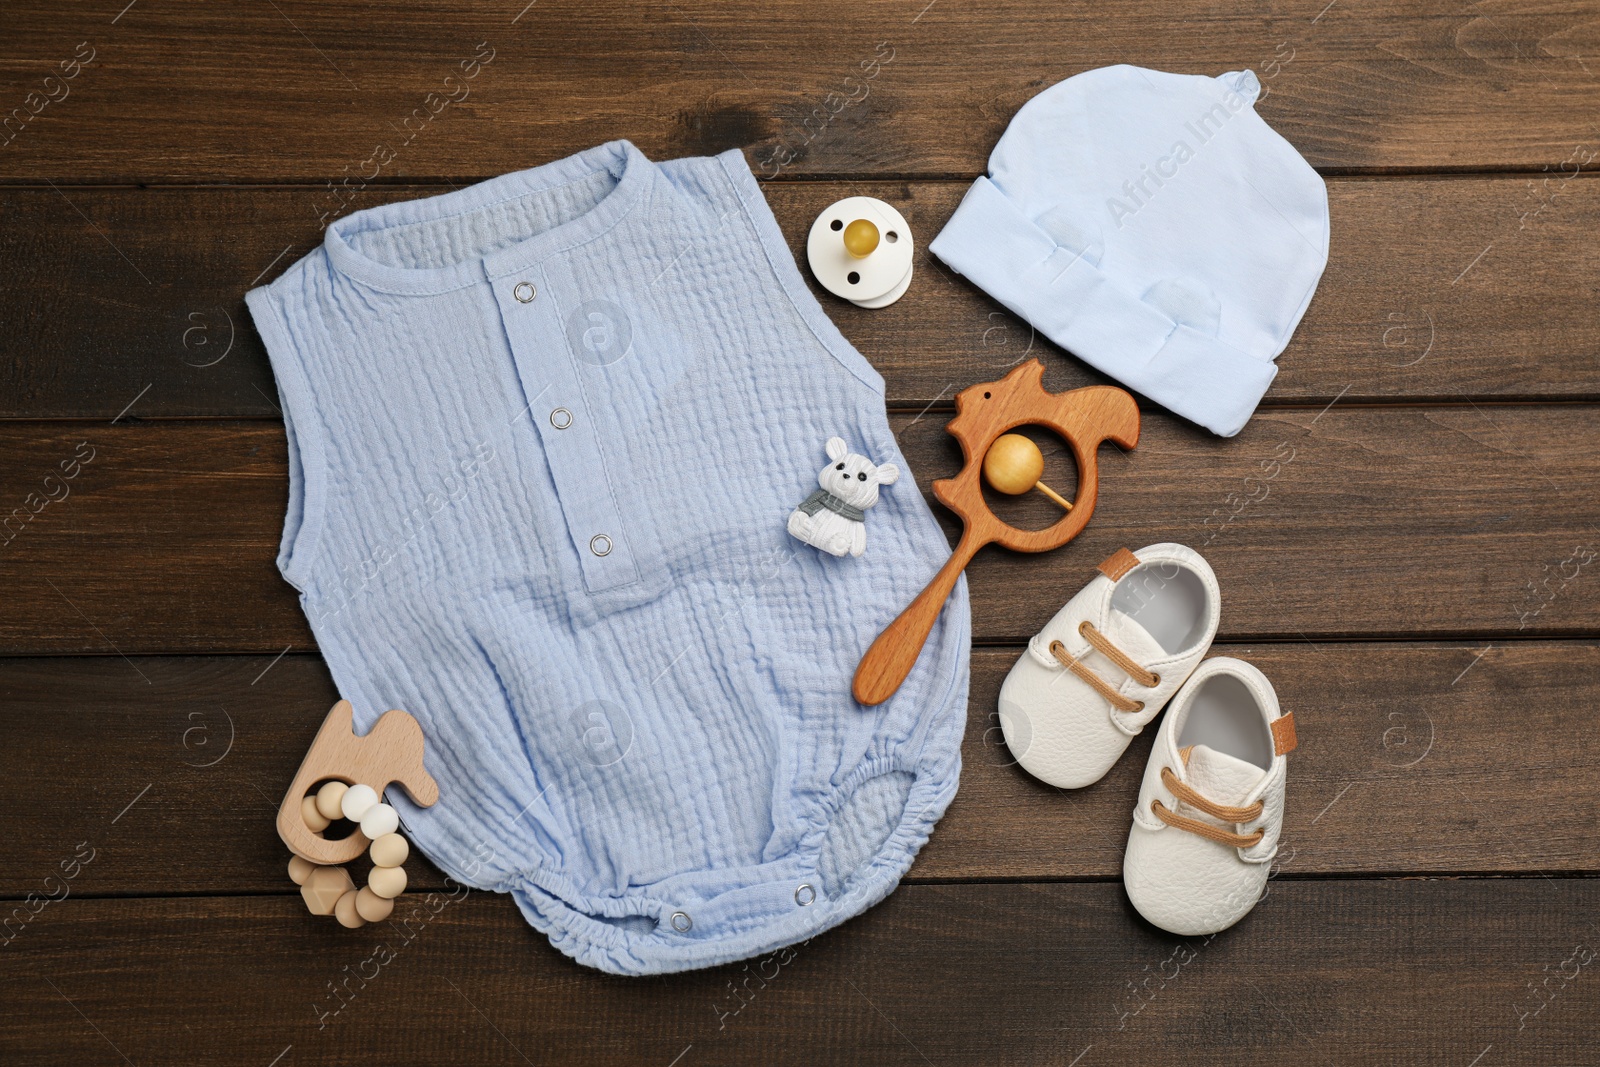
544	437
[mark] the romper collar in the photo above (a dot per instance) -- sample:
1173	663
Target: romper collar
634	174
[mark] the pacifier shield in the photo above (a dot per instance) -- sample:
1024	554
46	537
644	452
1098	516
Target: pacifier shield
876	279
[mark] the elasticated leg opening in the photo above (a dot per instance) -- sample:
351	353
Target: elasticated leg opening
642	925
630	924
863	823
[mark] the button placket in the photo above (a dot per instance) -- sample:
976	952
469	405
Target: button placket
571	445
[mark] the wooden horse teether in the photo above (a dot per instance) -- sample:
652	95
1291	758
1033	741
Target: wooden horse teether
1083	417
391	752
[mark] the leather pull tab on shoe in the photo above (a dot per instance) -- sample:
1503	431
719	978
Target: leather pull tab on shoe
1118	563
1283	738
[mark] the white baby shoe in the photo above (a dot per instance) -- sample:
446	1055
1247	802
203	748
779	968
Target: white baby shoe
1108	662
1211	805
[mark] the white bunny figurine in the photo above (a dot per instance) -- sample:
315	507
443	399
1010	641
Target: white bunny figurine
831	518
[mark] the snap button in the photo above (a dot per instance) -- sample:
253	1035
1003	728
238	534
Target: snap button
525	292
804	895
600	545
561	418
681	922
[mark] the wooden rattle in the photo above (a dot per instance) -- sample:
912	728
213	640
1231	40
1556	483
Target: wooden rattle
391	752
1085	418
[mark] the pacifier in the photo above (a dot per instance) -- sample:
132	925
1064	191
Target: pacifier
860	248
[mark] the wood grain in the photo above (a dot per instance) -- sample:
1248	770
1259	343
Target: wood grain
297	89
1445	521
1413	971
1406	536
1440	288
1409	761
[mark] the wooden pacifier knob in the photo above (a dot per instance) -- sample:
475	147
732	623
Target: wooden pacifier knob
324	887
1014	464
861	238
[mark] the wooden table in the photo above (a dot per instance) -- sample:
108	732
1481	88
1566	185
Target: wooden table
1418	578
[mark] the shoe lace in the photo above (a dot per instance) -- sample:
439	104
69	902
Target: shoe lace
1210	807
1103	645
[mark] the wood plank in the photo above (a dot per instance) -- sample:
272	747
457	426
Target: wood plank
1445	522
204	749
287	90
1409	971
1413	305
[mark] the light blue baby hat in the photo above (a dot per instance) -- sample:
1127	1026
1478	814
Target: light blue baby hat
1156	227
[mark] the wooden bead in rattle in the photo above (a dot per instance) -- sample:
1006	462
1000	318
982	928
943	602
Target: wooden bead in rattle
1013	465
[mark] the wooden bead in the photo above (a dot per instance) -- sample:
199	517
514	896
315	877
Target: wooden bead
357	801
379	821
328	798
300	869
313	818
861	238
1013	464
373	908
387	882
389	850
347	913
323	888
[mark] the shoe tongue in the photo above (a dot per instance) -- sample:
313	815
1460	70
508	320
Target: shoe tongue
1133	639
1220	777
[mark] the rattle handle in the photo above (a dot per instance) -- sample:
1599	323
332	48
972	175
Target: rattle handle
895	652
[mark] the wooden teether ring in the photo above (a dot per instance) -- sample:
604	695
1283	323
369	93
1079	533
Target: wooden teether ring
1085	418
390	753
